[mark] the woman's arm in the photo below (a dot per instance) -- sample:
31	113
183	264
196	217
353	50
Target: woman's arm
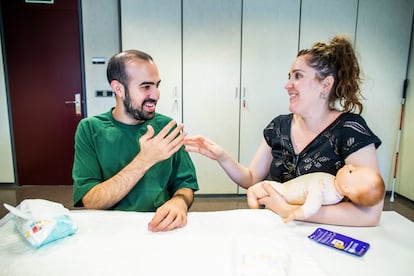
241	175
348	214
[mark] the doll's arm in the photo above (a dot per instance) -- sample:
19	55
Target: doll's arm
312	204
295	215
254	193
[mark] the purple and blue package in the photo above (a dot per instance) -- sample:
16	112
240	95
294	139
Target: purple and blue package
339	241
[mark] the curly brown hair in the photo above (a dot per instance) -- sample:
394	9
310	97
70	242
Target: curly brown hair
337	59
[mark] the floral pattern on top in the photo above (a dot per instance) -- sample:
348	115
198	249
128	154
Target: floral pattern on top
326	153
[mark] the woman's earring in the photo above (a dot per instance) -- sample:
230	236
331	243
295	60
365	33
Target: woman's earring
323	95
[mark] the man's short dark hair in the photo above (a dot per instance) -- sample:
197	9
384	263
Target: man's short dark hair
116	65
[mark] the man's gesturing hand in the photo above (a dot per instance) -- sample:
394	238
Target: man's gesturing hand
160	147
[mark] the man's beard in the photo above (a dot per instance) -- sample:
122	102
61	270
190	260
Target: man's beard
137	114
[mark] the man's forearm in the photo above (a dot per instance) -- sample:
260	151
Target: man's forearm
187	195
108	193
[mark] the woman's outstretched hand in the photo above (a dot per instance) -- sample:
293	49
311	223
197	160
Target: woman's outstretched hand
204	146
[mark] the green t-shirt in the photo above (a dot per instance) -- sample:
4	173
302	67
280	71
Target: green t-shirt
104	146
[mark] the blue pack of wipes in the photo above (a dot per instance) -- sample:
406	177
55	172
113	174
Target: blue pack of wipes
341	242
41	221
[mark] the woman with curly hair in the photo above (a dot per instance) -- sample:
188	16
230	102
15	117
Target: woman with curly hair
323	132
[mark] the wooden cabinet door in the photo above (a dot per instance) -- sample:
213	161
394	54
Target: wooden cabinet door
270	41
323	19
154	26
211	81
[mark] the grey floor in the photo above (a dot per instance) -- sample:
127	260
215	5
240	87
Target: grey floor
63	194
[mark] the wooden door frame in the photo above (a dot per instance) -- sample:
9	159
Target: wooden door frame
7	87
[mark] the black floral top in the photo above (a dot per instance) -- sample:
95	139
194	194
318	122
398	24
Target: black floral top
326	153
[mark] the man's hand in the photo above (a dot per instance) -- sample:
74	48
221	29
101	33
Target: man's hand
162	146
173	213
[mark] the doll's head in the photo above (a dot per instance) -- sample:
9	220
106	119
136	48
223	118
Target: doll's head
362	185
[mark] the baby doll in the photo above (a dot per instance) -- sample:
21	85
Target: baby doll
362	185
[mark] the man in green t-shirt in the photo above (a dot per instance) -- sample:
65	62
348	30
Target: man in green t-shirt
132	158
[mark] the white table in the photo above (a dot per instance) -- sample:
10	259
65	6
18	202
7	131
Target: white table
237	242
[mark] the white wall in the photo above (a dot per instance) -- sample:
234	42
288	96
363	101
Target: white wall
6	159
101	39
404	181
383	39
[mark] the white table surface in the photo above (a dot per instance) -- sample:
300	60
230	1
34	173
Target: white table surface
237	242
